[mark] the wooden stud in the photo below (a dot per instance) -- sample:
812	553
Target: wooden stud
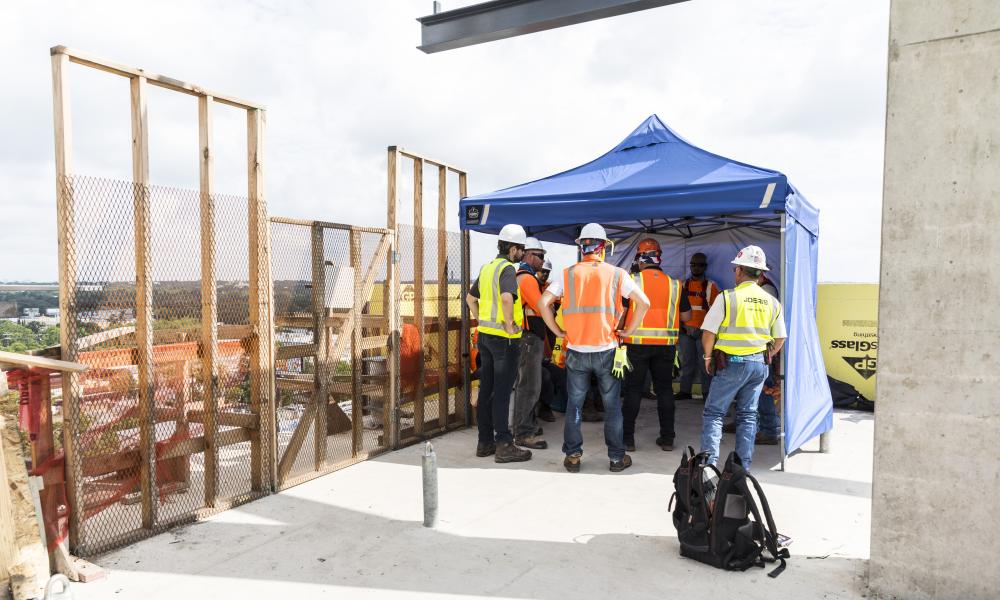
390	304
295	443
163	81
209	301
418	291
144	302
464	409
322	366
66	231
442	294
261	363
357	420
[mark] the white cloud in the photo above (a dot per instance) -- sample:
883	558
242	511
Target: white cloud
795	86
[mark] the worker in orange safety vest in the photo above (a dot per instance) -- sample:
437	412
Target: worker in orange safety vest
701	293
592	291
651	348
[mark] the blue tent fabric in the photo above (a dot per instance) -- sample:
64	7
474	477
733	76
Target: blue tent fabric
652	174
655	183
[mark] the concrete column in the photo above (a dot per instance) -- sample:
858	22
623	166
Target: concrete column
935	515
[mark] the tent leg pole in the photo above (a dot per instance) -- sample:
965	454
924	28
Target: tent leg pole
781	375
824	442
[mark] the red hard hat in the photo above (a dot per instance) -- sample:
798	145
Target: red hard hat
649	245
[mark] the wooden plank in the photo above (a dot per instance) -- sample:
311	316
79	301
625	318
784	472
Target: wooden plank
295	351
144	301
295	443
390	303
430	161
356	363
286	383
374	343
163	81
418	285
464	407
261	360
66	232
227	419
13	359
442	295
327	225
322	365
209	301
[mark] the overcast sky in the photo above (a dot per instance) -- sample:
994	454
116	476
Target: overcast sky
792	85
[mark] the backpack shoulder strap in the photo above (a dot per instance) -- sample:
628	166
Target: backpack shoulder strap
770	531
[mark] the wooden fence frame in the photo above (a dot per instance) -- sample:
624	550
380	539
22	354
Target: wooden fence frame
260	340
463	409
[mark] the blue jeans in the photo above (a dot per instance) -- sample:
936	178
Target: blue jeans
767	413
740	382
579	367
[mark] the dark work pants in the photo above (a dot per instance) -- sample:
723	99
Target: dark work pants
496	381
659	362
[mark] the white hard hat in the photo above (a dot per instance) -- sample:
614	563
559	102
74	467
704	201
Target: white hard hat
592	231
547	265
533	244
514	234
751	256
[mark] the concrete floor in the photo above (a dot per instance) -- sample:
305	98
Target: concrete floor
528	530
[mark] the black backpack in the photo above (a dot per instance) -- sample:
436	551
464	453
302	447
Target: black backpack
714	526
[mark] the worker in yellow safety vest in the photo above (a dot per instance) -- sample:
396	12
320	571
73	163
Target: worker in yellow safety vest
742	331
651	349
495	300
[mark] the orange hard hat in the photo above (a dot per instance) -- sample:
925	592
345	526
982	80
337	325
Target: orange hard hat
649	245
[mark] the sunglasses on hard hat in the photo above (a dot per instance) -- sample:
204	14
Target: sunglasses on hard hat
535	254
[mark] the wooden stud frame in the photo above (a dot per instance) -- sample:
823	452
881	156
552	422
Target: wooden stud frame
441	318
260	341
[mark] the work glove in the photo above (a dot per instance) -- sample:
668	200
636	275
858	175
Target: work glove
621	363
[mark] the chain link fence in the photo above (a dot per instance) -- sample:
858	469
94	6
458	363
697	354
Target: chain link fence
170	422
167	381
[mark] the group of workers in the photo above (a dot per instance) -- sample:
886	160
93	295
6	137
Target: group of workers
613	326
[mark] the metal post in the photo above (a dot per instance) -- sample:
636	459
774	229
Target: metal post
784	353
429	463
824	442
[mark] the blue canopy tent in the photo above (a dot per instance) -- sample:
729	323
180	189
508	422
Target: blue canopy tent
656	184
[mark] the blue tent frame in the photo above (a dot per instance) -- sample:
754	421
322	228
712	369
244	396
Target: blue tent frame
655	183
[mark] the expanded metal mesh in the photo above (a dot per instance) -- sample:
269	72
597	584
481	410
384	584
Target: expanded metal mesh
109	419
431	309
331	332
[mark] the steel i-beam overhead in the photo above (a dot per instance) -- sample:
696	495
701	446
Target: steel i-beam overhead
500	19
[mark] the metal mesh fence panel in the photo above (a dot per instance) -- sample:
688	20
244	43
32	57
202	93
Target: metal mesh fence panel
331	331
138	459
430	307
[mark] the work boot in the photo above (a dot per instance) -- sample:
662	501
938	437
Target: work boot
485	449
630	445
617	466
683	396
665	444
507	452
545	414
766	440
539	431
530	441
572	463
729	427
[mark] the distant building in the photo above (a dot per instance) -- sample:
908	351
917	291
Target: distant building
31	313
51	312
8	309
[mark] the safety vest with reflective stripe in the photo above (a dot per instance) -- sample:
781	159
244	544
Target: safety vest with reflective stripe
701	295
490	310
746	327
592	302
663	319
